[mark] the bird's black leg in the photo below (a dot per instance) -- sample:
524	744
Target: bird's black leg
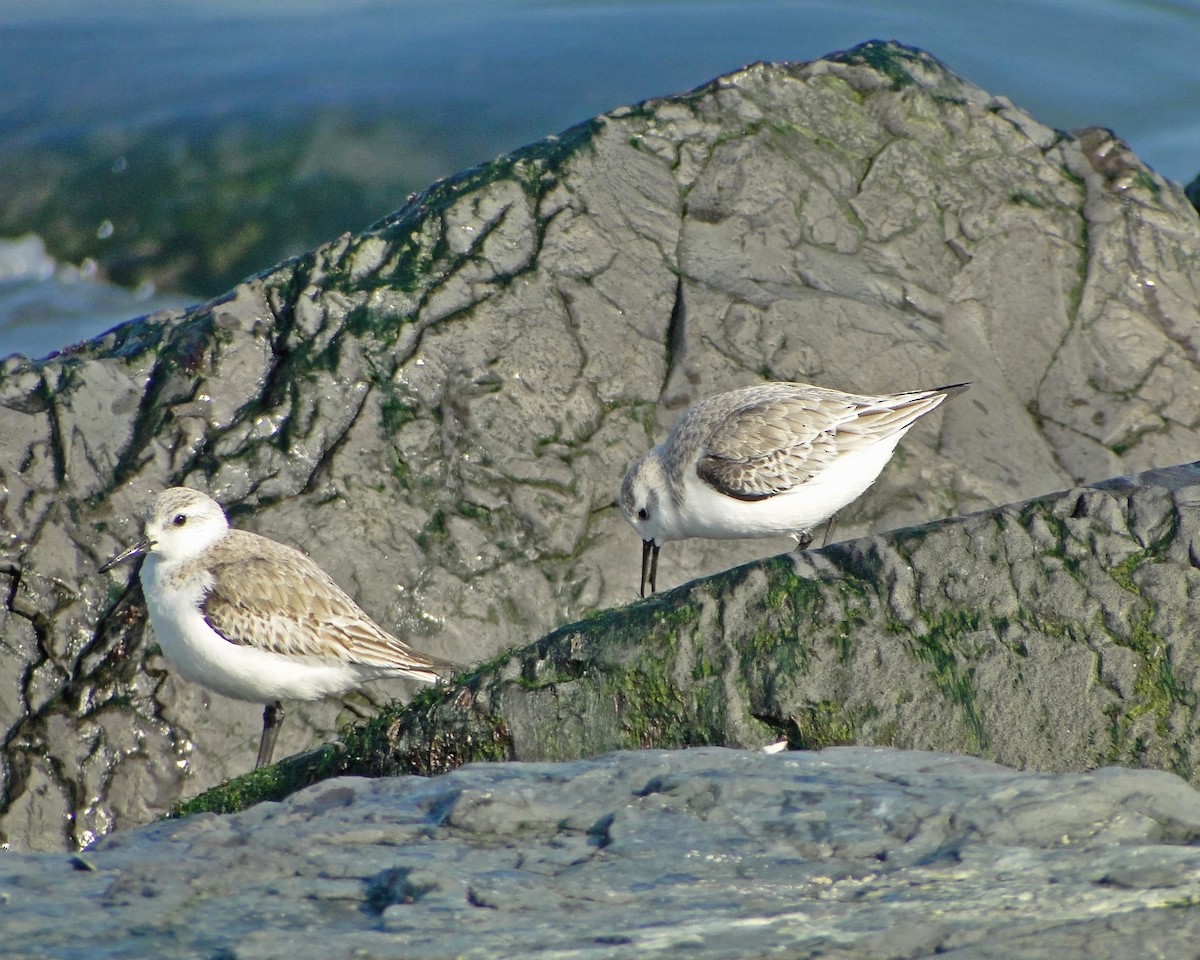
804	538
649	565
272	721
829	528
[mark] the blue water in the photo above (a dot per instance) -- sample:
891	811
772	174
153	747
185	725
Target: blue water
46	304
492	75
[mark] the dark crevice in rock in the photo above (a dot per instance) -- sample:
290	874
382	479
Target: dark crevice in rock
16	767
676	340
173	380
57	447
323	466
599	834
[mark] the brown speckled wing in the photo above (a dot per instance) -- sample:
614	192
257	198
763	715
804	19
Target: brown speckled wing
772	446
782	439
271	596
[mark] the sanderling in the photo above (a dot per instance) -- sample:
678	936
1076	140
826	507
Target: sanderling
255	619
765	460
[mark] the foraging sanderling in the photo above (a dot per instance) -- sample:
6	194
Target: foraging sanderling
255	619
765	460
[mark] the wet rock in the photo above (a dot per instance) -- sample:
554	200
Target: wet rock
846	852
440	409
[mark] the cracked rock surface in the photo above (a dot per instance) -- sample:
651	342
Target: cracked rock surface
846	852
1054	634
440	410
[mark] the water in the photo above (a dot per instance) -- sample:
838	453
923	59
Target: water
46	304
187	145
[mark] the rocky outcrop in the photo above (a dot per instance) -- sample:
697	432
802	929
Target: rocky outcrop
439	410
851	852
1050	635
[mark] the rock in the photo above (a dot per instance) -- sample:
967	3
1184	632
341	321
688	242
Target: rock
1047	635
440	409
846	852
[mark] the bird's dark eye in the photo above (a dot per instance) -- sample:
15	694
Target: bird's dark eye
643	513
179	519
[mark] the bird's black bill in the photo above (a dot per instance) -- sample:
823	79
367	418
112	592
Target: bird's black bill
272	721
649	565
135	551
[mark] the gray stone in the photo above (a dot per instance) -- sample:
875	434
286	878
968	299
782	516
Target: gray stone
846	852
440	409
1052	634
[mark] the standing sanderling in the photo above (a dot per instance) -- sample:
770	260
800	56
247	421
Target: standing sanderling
765	460
255	619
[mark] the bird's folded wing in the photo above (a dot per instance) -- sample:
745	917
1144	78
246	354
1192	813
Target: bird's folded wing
778	443
771	446
277	606
288	605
